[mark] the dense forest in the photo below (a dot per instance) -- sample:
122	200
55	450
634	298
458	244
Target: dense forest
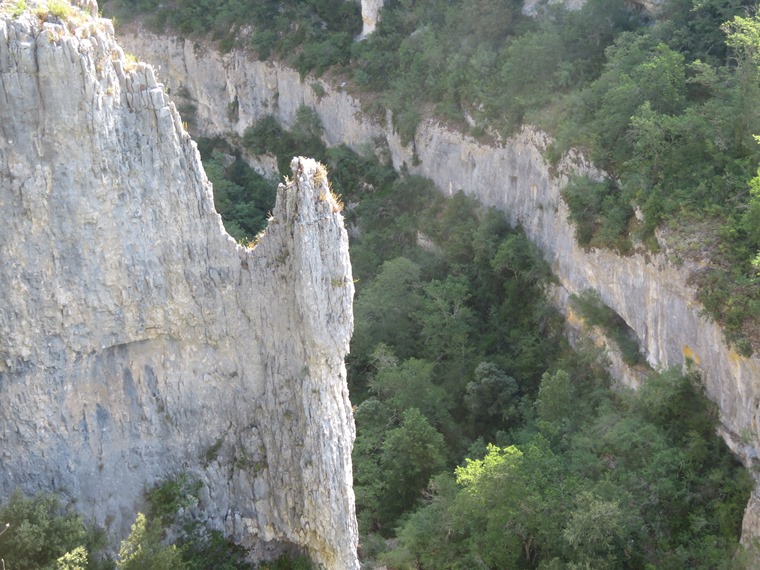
484	440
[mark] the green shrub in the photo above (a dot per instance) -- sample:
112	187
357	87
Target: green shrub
600	213
596	313
19	8
41	531
203	549
143	549
290	562
172	495
60	9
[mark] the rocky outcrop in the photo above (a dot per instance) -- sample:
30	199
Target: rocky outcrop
370	16
650	293
537	7
137	339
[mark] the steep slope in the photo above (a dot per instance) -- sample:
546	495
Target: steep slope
137	339
650	293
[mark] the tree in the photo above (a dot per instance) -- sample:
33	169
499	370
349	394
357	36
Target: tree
556	402
143	549
73	560
410	385
411	455
743	37
385	310
491	399
40	531
446	319
598	531
511	503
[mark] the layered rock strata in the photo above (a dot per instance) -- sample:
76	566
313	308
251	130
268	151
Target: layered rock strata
649	292
138	341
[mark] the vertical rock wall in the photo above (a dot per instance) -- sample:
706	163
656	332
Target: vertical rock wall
647	291
370	16
137	339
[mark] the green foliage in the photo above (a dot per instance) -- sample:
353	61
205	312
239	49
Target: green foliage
456	333
242	197
202	548
74	560
491	398
310	35
266	136
596	313
143	549
386	308
410	385
639	480
171	496
19	8
60	9
510	493
600	213
484	57
45	535
411	454
290	562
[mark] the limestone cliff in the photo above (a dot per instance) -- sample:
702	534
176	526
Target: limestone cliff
137	339
370	16
650	293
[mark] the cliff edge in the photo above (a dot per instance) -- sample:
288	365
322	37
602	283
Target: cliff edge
137	339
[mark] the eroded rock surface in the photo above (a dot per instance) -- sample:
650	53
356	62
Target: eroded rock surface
137	339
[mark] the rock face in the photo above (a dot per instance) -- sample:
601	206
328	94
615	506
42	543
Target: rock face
370	16
647	291
137	339
536	7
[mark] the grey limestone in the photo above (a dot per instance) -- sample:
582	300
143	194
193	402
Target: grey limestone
138	340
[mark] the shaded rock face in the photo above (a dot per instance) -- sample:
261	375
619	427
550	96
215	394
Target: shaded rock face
649	293
137	339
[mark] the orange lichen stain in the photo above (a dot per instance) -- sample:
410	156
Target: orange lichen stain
574	318
689	354
594	333
735	357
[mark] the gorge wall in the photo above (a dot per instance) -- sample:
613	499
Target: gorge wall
648	291
137	339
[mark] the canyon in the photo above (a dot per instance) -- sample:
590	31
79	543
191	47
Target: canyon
138	341
649	291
